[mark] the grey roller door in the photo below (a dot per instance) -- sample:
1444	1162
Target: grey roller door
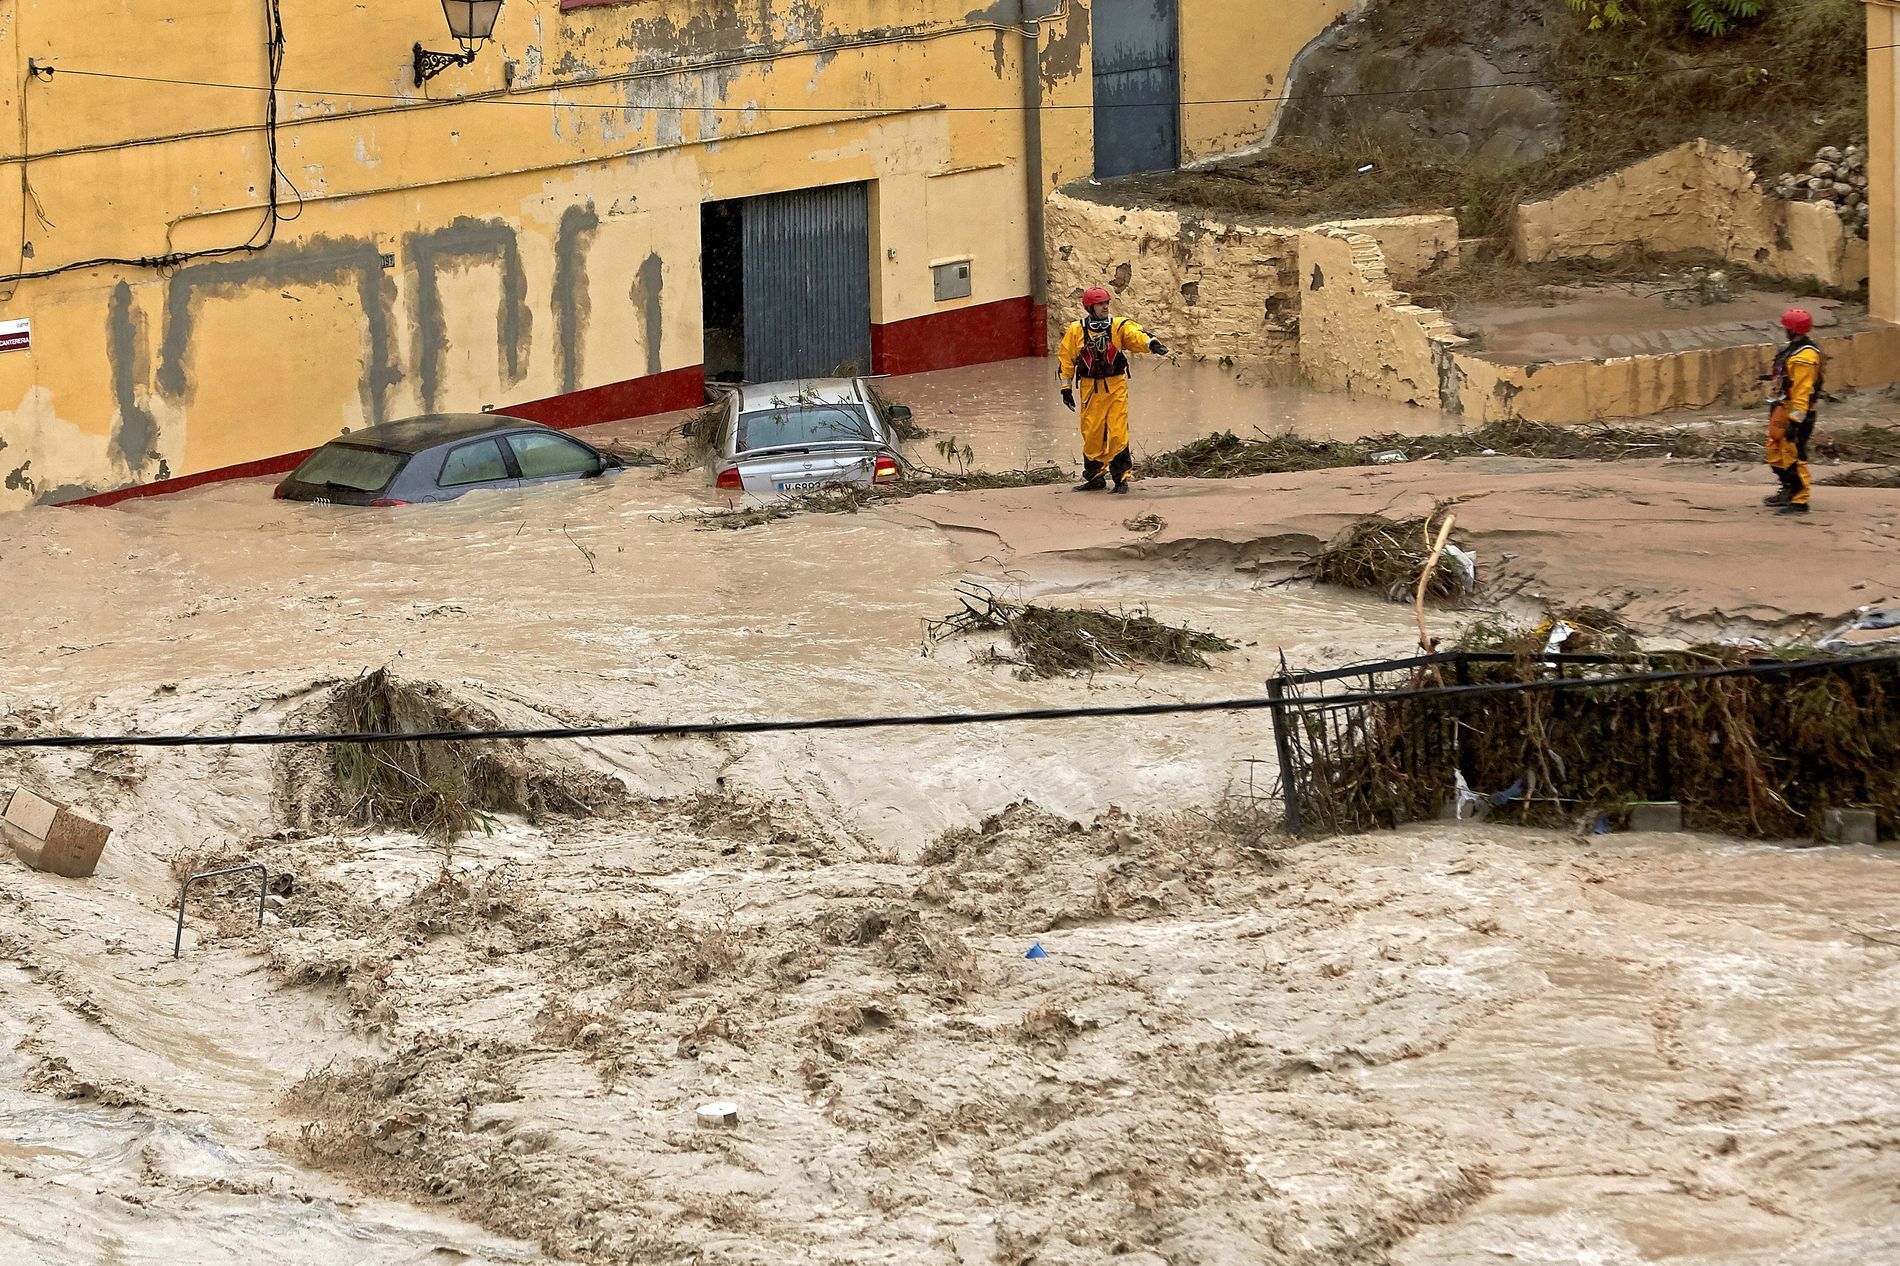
808	284
1137	86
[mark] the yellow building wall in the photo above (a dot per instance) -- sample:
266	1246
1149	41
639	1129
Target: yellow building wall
522	228
1235	59
490	250
1883	172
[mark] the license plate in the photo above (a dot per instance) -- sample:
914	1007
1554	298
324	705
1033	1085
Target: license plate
805	485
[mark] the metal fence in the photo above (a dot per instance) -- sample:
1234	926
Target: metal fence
1754	746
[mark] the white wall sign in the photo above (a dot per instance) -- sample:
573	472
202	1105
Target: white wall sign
16	336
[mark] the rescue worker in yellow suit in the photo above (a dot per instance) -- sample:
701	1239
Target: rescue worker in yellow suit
1796	389
1093	360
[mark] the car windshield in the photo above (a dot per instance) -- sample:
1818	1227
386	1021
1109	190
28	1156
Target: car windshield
344	466
794	424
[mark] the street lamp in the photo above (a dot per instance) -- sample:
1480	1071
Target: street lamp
470	22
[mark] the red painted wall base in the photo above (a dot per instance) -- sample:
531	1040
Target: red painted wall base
1006	330
635	398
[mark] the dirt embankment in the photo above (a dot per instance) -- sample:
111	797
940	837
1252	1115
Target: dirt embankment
1478	106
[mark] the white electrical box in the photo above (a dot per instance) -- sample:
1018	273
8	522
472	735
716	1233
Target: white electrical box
952	279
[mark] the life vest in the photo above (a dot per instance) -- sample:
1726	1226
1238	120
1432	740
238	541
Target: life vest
1101	357
1784	378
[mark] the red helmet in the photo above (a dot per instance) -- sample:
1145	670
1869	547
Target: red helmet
1094	295
1797	321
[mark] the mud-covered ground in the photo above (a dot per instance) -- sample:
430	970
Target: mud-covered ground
1449	1044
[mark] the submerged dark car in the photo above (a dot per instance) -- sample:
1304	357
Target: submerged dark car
440	457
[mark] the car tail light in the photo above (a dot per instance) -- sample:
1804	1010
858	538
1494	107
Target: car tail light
388	501
729	479
886	471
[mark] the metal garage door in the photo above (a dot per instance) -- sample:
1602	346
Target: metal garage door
1137	86
808	284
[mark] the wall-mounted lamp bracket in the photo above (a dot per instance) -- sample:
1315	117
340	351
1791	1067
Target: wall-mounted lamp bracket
429	65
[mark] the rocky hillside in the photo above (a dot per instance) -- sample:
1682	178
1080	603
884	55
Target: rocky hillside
1415	104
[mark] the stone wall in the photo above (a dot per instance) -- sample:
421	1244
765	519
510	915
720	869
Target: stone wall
1699	196
1332	299
1361	335
1221	292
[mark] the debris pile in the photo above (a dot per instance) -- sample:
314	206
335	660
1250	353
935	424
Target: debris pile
849	498
1837	179
1760	756
439	789
1065	641
1385	557
1224	455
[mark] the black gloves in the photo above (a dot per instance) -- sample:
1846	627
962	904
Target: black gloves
1156	346
1068	399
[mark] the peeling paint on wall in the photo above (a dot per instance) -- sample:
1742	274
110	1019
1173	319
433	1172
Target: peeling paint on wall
1066	52
570	289
647	288
316	262
135	431
465	240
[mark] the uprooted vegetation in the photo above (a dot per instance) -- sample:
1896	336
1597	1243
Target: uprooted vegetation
442	789
848	498
1224	455
1388	557
542	1058
1757	756
1069	641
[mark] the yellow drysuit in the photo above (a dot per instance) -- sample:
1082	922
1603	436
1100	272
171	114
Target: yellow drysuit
1797	376
1099	376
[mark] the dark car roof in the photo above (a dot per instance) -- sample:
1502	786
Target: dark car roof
412	435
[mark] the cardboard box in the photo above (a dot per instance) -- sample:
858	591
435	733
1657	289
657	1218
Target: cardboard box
48	836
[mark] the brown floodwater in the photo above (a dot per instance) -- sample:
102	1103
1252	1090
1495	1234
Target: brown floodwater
1450	1045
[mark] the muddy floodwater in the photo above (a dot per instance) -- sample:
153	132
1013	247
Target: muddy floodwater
1449	1044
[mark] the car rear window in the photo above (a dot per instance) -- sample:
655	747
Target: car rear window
346	466
804	424
540	455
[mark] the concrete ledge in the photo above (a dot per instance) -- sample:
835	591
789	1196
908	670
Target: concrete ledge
1640	386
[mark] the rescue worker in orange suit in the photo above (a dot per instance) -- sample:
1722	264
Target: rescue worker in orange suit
1796	389
1093	361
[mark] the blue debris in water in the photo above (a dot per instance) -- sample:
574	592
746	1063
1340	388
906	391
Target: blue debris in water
1037	951
1513	792
1601	826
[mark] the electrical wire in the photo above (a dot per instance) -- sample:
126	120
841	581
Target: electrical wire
274	213
261	237
939	720
400	103
752	110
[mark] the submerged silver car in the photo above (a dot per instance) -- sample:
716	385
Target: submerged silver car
773	439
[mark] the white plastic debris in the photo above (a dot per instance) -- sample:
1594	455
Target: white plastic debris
1876	621
1389	455
719	1114
1470	803
1465	562
1559	634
